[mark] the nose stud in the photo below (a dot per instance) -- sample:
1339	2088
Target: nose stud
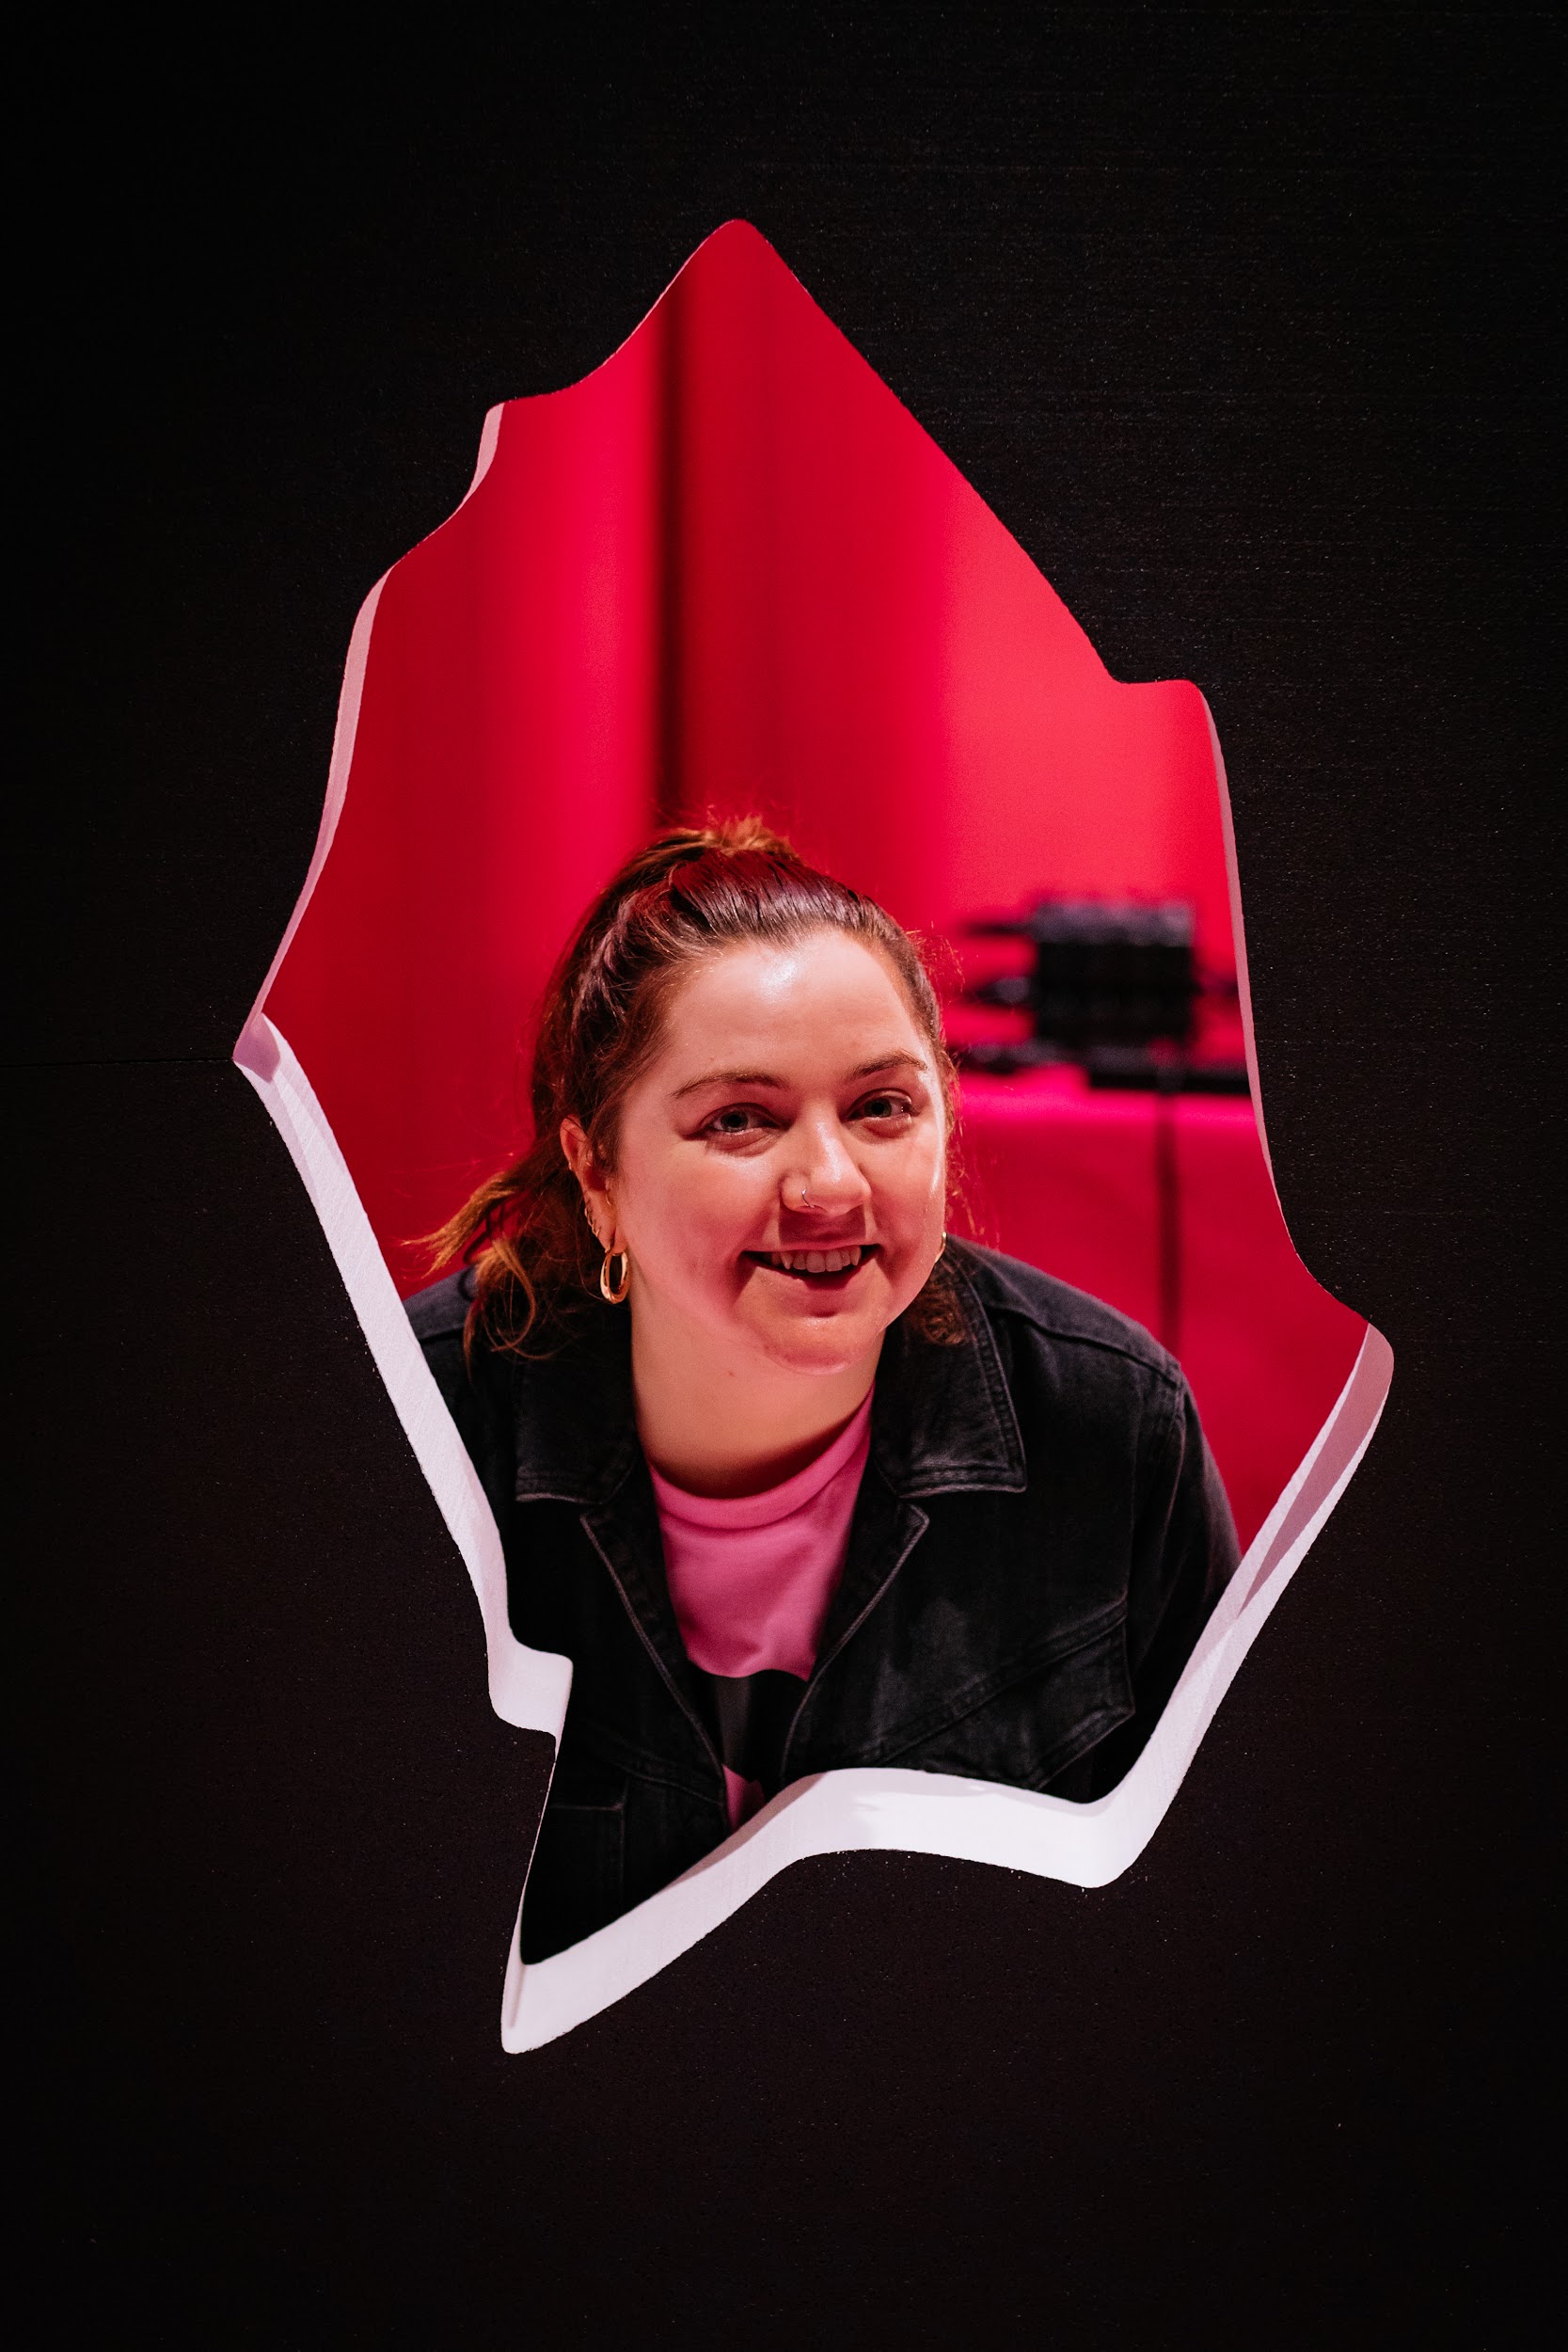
805	1198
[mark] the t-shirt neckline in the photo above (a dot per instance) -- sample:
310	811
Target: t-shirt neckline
775	1502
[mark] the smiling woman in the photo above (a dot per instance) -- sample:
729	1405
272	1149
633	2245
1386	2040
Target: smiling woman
796	1483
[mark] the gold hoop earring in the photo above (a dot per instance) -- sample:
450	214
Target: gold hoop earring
613	1296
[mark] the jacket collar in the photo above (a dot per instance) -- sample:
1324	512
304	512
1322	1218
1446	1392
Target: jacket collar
941	1422
942	1418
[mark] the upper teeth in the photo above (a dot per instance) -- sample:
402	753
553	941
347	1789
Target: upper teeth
814	1260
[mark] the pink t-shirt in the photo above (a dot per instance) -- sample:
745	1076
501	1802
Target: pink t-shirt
750	1578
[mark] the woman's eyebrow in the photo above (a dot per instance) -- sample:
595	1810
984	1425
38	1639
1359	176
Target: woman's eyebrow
728	1078
761	1077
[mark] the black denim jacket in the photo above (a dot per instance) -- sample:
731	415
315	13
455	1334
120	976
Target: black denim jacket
1040	1536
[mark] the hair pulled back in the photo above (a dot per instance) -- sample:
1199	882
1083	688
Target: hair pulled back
688	895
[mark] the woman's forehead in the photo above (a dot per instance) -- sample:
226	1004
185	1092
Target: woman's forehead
815	993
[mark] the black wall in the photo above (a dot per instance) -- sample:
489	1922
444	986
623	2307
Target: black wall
1240	321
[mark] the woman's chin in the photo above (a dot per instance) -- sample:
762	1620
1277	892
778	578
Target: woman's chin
820	1343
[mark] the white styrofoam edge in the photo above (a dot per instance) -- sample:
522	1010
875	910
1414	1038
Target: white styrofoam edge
528	1687
344	735
347	725
835	1812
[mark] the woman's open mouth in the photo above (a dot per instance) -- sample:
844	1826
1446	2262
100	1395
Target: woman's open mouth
823	1266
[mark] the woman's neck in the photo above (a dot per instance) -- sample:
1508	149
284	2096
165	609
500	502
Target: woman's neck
724	1429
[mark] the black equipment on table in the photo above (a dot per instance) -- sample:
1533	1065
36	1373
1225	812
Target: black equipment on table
1113	985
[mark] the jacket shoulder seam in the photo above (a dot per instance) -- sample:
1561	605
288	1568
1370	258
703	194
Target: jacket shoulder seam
1168	1370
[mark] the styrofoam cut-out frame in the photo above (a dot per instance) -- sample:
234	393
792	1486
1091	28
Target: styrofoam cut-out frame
913	1812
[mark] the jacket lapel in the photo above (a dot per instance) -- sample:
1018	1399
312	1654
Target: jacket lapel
576	1442
623	1530
942	1420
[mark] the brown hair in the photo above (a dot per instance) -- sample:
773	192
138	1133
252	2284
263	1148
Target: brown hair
689	895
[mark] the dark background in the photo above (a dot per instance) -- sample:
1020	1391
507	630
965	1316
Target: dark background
1240	322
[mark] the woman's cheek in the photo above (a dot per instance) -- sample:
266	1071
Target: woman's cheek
919	1194
714	1219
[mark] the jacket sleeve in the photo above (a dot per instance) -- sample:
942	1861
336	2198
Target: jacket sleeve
1184	1553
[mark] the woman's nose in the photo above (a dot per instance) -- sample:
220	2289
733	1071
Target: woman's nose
825	1176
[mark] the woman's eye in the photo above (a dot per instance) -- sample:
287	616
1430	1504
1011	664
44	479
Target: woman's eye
884	1107
737	1119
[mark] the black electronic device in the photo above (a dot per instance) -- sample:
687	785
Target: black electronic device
1113	985
1105	971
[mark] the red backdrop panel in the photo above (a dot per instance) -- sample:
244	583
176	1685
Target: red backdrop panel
728	571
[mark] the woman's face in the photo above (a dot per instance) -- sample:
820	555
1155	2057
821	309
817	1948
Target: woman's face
784	1075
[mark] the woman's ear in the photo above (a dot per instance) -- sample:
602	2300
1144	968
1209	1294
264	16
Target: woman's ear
584	1165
